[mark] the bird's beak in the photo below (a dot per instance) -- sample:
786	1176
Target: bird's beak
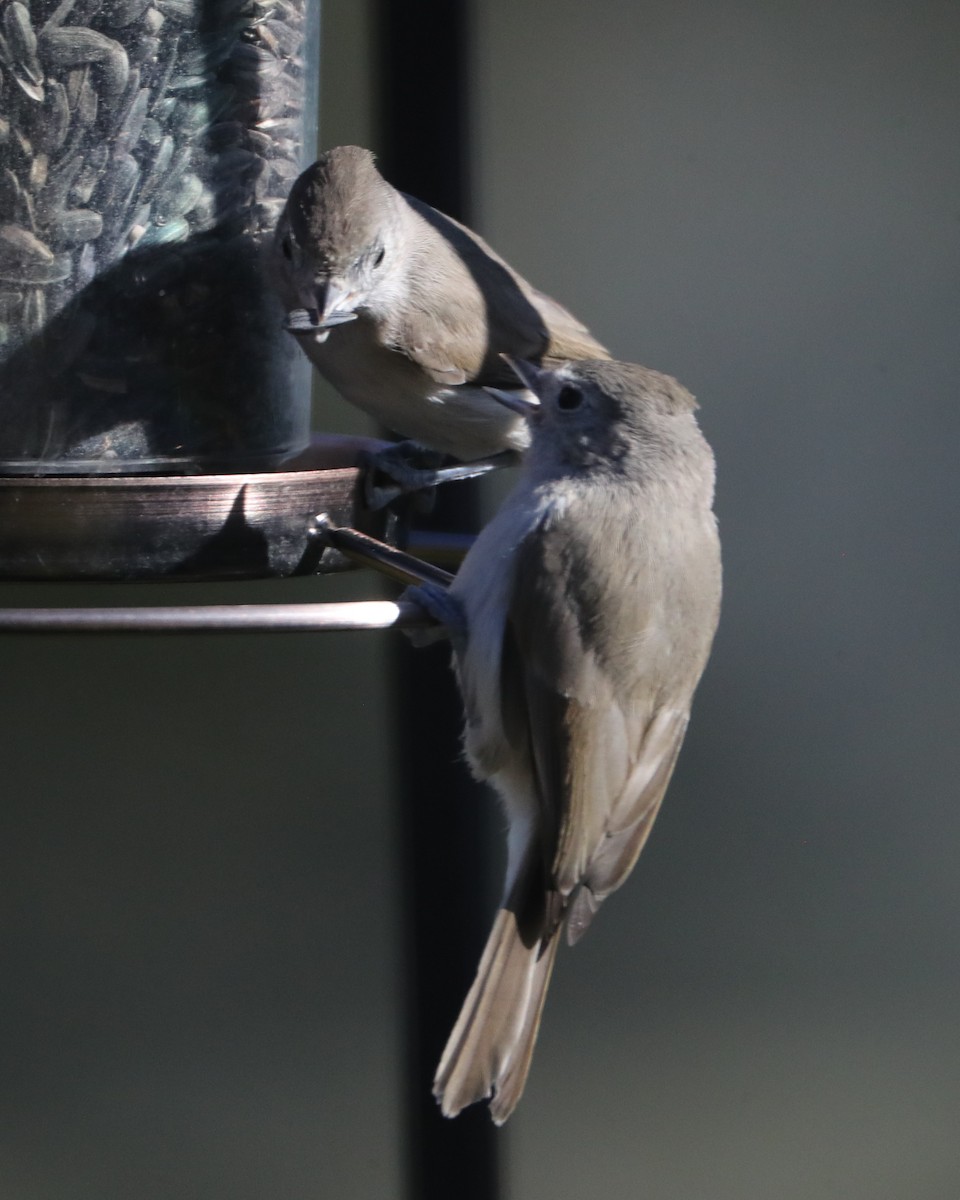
335	305
532	379
303	320
326	305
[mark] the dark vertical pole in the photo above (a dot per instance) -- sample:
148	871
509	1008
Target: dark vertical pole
445	818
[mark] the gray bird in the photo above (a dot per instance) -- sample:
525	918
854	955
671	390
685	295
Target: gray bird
581	621
406	312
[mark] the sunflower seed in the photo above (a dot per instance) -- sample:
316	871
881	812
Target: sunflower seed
153	21
73	81
24	259
121	173
145	50
86	267
19	247
151	132
120	13
10	303
131	123
158	168
288	37
74	226
177	198
38	172
89	175
19	50
34	311
68	47
56	116
178	10
54	195
11	196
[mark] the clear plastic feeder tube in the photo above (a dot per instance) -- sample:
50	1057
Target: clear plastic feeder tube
146	149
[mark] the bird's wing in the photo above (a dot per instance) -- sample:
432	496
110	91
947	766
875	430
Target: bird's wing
444	340
570	339
601	759
566	336
495	311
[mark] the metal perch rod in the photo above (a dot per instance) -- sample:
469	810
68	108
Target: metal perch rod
254	618
370	552
216	618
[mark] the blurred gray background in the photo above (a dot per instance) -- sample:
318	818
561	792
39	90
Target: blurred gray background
199	943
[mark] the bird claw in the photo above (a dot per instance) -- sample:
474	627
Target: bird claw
411	467
437	602
398	470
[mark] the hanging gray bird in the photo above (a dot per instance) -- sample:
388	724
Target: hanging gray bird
406	312
581	621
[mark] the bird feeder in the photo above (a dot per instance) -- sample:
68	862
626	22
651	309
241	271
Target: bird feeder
154	415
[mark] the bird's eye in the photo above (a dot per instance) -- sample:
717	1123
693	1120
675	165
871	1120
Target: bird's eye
286	249
570	397
379	258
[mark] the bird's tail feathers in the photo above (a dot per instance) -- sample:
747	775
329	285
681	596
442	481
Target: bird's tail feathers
489	1051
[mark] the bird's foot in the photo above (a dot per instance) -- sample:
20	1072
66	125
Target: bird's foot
398	470
478	466
409	467
437	602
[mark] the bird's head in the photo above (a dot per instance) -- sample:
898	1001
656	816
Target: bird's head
333	247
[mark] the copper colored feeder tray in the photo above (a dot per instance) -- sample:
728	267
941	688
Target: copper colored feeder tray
187	527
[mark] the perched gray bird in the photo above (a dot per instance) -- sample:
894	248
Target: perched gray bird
406	312
581	621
